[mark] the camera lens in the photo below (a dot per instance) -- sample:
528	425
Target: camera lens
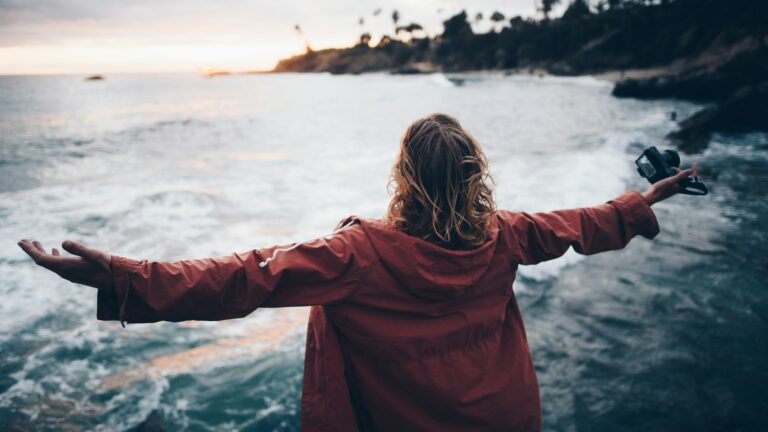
671	157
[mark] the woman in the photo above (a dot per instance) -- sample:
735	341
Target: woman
414	324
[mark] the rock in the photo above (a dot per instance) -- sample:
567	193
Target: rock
735	79
214	74
710	78
95	78
416	68
745	110
355	60
694	131
153	423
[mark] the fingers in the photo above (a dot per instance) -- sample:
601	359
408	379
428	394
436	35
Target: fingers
31	250
683	174
76	248
692	169
55	261
38	246
675	184
35	250
72	268
84	251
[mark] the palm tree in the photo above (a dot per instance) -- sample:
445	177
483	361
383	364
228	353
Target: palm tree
547	5
410	29
384	41
300	33
395	20
497	17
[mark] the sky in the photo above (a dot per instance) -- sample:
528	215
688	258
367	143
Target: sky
108	36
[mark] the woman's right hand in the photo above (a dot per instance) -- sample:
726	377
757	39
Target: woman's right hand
85	266
668	187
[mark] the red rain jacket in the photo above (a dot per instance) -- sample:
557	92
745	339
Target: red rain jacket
403	334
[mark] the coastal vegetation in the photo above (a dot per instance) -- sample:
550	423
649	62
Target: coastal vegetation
705	50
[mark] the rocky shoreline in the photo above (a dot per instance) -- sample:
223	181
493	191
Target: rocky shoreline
703	50
736	81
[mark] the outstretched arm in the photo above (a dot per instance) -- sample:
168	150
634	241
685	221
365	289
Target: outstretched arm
543	236
320	271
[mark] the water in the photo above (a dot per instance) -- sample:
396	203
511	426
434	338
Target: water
664	335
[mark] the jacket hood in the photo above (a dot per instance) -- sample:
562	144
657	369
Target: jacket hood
428	270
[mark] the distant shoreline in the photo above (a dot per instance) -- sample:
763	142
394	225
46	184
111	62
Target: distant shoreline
702	50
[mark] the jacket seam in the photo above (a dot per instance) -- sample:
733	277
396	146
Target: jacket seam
364	276
366	271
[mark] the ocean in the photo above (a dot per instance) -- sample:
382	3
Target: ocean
669	334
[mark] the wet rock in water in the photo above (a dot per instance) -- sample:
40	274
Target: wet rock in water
95	78
153	423
745	110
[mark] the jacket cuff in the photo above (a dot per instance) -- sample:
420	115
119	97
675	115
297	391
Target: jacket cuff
110	305
637	213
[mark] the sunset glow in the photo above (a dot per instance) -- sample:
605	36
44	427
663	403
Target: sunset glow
135	58
46	37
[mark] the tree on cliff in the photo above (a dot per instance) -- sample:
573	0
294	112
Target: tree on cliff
384	41
457	27
601	6
576	9
410	29
455	42
497	17
547	5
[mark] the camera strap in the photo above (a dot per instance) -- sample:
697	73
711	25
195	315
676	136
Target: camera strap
694	186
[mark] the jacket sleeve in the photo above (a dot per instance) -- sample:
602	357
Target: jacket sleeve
540	237
321	271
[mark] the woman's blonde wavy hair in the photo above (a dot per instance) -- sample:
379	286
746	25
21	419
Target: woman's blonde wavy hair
440	185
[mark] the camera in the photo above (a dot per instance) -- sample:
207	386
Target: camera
655	165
